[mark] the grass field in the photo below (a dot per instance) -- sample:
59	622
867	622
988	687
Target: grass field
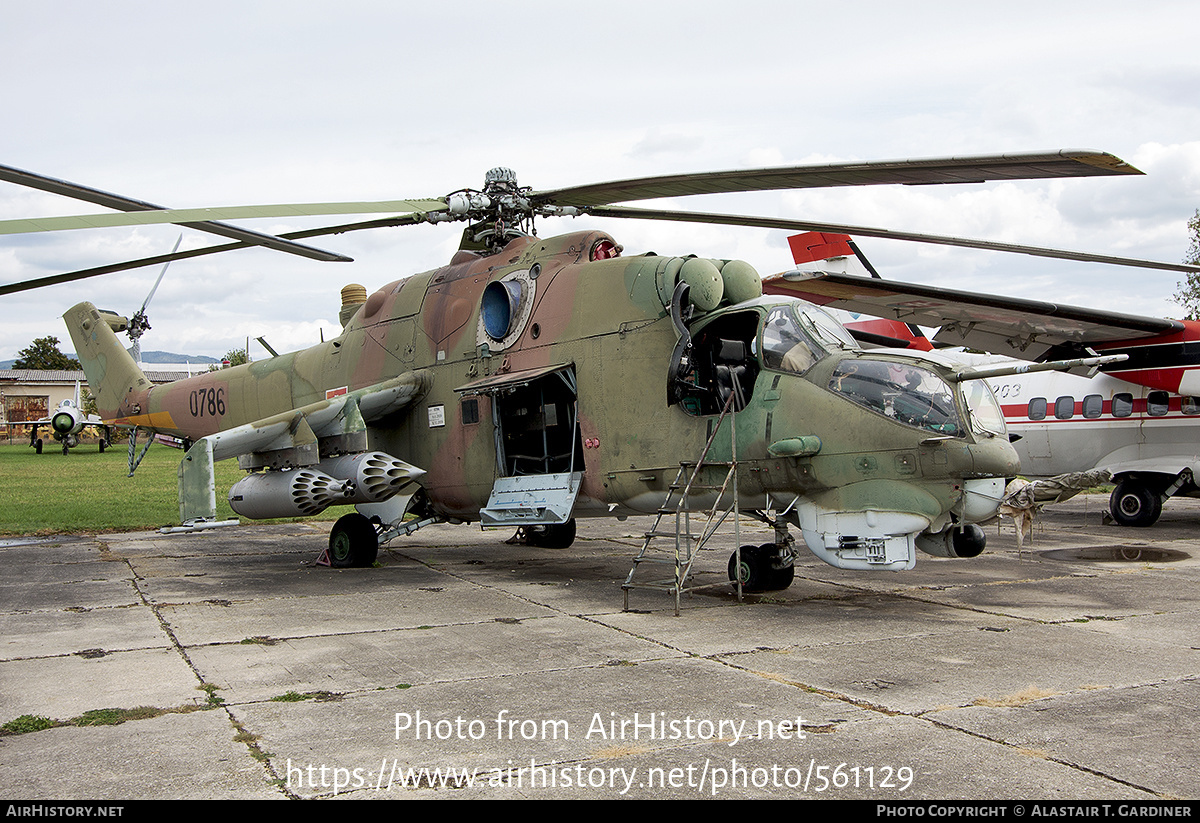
86	491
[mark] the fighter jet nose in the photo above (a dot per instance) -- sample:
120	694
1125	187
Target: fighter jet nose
62	422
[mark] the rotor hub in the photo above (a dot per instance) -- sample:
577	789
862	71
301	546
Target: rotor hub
500	179
498	214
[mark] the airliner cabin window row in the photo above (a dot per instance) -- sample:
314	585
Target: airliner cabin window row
1158	403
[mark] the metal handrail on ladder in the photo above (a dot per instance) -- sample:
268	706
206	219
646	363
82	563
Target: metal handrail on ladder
688	545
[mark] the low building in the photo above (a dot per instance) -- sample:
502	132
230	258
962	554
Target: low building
31	394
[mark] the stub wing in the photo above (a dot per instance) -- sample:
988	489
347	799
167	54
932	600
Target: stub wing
322	439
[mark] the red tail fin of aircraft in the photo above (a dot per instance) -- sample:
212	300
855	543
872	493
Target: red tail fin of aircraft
814	246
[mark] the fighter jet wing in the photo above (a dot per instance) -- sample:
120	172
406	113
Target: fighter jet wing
1024	329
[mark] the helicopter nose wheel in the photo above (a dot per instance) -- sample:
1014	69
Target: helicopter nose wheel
353	542
760	569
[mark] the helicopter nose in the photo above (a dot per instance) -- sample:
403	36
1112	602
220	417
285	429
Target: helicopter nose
995	457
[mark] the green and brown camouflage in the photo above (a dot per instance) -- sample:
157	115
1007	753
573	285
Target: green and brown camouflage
559	358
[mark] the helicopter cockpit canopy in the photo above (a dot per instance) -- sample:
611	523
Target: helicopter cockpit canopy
797	336
904	392
731	348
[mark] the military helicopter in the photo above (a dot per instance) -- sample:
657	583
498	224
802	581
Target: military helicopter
532	381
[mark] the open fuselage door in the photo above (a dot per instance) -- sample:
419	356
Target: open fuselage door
539	453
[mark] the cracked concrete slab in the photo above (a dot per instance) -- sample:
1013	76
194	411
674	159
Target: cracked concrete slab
1065	671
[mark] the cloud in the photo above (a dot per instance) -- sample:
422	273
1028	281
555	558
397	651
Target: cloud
374	101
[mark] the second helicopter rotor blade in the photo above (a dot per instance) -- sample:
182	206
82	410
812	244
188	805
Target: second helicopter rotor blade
887	234
83	274
920	172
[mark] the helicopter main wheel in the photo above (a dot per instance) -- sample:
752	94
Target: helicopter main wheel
37	445
103	445
552	536
353	542
1133	504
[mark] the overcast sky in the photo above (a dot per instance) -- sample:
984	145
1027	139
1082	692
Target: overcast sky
245	102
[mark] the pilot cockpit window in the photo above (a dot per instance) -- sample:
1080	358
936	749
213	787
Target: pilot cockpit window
906	393
786	346
821	323
983	410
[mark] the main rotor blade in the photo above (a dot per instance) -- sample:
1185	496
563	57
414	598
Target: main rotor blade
187	217
863	231
116	201
1066	163
83	274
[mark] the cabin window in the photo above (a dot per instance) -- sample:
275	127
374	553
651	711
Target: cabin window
1037	408
823	325
470	410
1191	405
1064	408
983	409
1157	403
1122	404
1093	406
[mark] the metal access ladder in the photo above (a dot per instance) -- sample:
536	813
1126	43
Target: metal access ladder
683	547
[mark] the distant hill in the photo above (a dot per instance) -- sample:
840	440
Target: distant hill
147	357
168	357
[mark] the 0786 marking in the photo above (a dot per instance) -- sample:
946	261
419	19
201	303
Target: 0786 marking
207	402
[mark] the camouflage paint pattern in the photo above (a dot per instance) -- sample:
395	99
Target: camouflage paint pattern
606	318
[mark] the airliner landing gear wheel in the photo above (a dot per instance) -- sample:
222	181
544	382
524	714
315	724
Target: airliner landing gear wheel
1132	504
353	542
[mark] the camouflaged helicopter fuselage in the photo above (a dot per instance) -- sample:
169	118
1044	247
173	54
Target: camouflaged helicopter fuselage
608	321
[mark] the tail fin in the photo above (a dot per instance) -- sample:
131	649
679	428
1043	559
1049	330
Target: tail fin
111	372
839	253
